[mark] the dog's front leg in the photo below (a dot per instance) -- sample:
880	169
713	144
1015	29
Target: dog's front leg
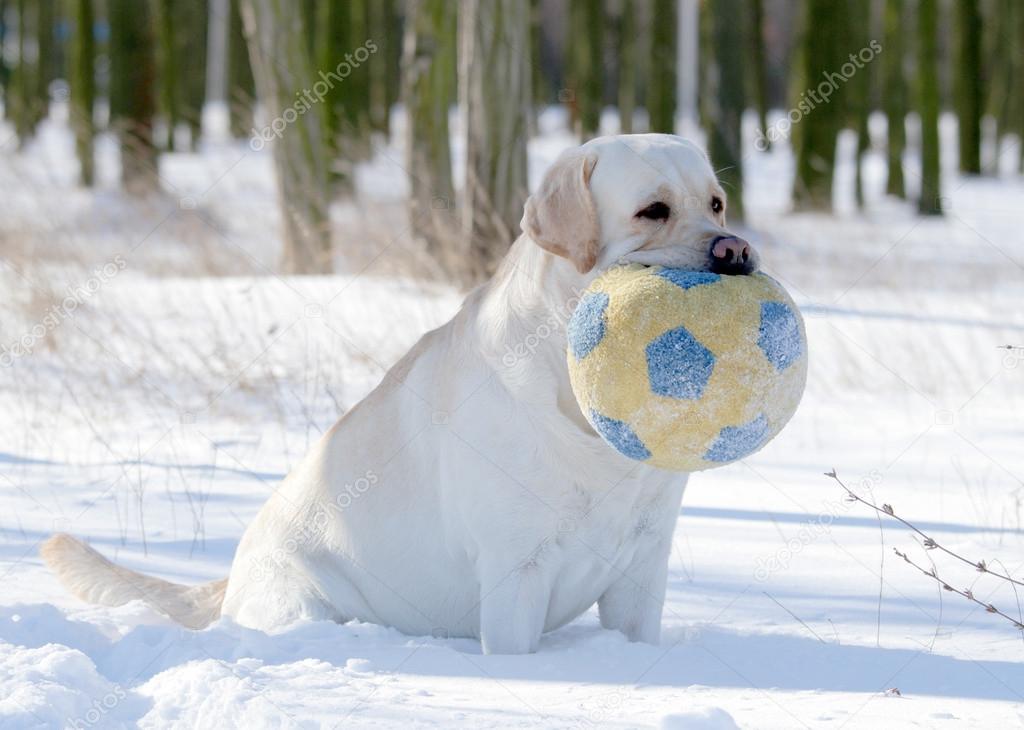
634	602
513	606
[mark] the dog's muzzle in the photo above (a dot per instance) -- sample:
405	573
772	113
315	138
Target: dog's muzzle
731	255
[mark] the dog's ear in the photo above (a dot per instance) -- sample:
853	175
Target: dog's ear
560	217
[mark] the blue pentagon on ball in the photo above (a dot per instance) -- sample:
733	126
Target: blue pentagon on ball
677	365
620	436
586	327
686	370
686	279
735	442
779	335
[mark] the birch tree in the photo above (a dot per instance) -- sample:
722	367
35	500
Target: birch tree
218	24
331	36
380	27
586	45
819	127
354	93
46	55
928	106
726	99
1018	92
241	91
968	84
661	89
181	59
895	96
83	87
5	70
22	102
759	68
132	101
168	98
428	92
494	94
1004	62
859	34
627	48
283	68
192	50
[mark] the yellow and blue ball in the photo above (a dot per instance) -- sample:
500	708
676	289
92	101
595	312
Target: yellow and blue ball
686	370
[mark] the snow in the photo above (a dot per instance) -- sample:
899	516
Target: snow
155	418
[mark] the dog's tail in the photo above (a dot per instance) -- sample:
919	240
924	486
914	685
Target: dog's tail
91	577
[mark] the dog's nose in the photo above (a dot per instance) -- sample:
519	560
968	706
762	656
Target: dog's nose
730	255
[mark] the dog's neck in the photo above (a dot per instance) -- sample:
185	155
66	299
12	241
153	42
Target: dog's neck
519	325
529	300
517	321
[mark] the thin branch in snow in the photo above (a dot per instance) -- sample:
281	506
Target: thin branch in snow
966	593
802	622
929	543
881	577
938	623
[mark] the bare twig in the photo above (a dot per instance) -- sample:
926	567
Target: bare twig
929	543
802	622
967	593
881	577
938	623
1016	597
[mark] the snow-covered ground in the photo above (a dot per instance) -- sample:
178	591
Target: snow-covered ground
154	414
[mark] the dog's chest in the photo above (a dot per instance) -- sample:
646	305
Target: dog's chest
605	542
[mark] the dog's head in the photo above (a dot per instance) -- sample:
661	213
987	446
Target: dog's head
643	198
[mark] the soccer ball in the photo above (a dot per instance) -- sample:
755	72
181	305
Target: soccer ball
686	370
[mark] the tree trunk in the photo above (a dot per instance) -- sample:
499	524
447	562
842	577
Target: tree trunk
83	87
168	65
930	202
627	66
859	33
968	84
278	45
895	96
218	32
332	35
586	43
46	66
132	72
393	60
22	99
428	94
1019	86
726	99
494	91
819	127
5	70
661	91
538	81
1004	69
241	92
759	70
181	60
191	48
379	28
354	92
690	37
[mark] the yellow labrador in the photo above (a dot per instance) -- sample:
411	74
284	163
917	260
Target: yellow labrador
467	495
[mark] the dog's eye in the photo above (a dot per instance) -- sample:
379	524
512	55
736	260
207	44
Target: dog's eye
655	212
716	205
